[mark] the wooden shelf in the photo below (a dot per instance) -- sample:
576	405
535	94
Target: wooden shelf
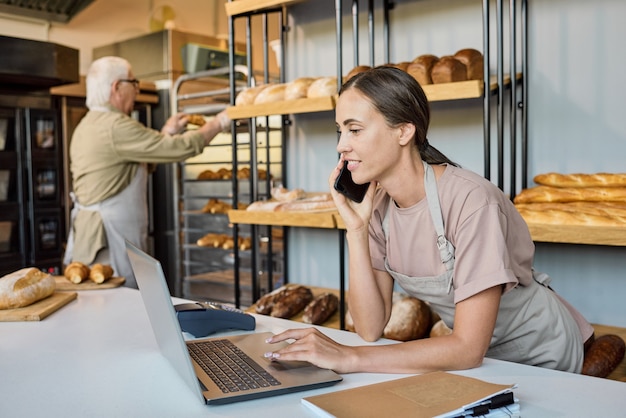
238	7
325	219
574	234
318	104
472	89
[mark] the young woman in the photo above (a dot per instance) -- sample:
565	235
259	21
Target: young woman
445	235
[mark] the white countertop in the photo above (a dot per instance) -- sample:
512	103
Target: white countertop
97	357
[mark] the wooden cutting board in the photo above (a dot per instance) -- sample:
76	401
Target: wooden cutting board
63	284
39	310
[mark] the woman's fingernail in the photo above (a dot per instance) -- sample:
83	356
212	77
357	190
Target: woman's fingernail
269	354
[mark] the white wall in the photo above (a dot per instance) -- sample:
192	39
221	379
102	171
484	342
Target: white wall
575	106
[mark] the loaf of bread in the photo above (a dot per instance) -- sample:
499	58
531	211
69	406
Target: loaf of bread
399	65
212	240
195	119
571	194
283	194
216	206
298	88
322	87
448	70
581	180
25	287
473	61
292	301
265	303
421	67
76	272
246	97
320	309
604	355
439	329
99	273
564	217
410	320
315	203
356	70
272	94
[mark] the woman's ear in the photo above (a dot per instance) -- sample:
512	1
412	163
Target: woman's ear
407	133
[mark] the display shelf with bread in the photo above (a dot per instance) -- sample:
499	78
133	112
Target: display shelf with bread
577	208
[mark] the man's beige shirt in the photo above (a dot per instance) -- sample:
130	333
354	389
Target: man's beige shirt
105	152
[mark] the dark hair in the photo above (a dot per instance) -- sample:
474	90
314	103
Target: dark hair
400	99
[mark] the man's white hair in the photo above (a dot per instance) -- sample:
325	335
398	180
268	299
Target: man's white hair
102	73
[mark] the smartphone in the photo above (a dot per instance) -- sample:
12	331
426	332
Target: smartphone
347	187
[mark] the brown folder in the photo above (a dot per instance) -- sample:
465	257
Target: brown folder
426	395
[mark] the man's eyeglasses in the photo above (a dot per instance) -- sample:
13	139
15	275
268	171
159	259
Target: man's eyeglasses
133	81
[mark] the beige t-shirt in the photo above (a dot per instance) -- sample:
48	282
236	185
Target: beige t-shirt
491	240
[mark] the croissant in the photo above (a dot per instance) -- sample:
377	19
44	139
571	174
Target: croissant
76	272
100	272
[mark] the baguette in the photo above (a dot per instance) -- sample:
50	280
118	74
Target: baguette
562	217
25	287
76	272
571	194
100	273
581	180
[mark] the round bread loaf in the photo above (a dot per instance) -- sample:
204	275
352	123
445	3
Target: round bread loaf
421	68
298	88
448	70
356	70
473	61
25	287
323	87
439	329
272	94
246	97
410	320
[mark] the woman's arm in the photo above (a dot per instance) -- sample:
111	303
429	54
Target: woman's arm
465	348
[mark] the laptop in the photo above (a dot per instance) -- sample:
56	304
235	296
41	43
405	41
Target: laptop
267	378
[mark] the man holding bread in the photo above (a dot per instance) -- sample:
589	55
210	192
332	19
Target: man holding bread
109	153
445	235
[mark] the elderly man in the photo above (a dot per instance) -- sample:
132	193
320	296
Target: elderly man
109	153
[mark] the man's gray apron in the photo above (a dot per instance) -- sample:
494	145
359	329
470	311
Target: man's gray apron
124	216
556	343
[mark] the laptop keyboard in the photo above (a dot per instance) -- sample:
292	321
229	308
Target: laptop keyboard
229	367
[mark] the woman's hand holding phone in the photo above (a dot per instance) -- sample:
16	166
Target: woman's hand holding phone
353	201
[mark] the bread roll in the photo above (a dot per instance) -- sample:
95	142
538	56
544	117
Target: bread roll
100	273
320	309
76	272
473	61
604	355
196	119
246	97
25	287
272	94
399	65
298	88
571	194
212	240
448	70
323	87
356	70
581	180
421	68
410	320
439	329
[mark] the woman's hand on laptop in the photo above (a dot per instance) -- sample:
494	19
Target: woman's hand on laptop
313	346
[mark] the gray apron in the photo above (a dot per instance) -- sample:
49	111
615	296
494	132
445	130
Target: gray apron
533	326
124	216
